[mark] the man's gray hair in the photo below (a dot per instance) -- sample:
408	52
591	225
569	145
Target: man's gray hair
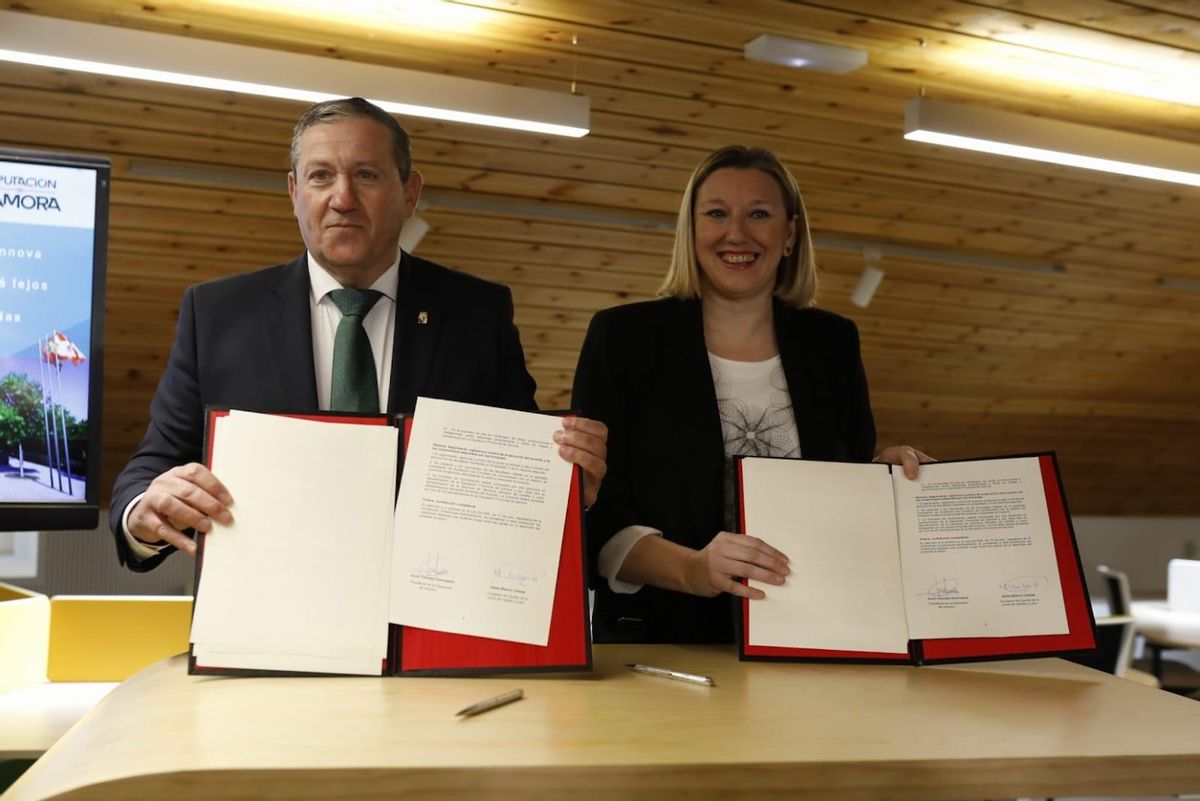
352	107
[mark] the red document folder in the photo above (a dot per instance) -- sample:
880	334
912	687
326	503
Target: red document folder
422	651
415	651
1080	637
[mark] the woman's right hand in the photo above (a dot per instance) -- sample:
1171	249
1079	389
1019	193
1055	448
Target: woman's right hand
716	567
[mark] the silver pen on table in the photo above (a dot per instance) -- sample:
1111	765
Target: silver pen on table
678	675
490	703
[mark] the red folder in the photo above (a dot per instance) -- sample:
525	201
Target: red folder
422	651
415	651
1080	637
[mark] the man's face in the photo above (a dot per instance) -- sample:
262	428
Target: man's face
349	200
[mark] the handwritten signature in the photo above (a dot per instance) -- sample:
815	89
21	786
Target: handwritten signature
1024	583
515	574
434	565
944	586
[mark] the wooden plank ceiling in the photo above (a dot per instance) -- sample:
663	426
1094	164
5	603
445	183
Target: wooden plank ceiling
1100	363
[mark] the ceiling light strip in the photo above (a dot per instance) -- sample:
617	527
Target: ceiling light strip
120	52
1052	141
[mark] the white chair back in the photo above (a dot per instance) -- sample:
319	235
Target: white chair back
1183	585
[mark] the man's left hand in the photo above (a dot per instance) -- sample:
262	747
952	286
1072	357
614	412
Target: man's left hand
585	442
906	456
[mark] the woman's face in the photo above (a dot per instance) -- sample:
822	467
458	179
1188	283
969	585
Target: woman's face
742	230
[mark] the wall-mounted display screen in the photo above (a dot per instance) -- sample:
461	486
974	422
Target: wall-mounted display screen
53	241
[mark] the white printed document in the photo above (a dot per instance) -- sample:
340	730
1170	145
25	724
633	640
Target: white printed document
967	552
479	522
320	557
977	551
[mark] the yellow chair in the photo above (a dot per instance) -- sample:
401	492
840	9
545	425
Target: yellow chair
24	637
111	637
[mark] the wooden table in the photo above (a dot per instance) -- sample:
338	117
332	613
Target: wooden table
999	730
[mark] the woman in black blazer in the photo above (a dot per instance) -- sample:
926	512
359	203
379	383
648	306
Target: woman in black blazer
732	360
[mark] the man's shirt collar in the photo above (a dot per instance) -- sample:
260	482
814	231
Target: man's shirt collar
321	283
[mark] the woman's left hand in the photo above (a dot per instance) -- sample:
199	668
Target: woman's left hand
585	442
906	456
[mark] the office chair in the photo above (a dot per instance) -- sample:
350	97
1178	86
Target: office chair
1173	623
1115	634
1120	600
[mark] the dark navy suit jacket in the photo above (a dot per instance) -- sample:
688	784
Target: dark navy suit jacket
644	371
245	342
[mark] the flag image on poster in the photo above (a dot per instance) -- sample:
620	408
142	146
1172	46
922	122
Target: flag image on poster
60	349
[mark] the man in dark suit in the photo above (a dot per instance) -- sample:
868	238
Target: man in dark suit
266	340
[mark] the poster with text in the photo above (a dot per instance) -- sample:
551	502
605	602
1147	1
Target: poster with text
47	235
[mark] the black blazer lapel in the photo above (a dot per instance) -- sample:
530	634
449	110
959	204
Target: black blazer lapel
697	422
420	310
287	336
802	355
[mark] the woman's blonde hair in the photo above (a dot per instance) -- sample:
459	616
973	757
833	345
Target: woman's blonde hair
796	279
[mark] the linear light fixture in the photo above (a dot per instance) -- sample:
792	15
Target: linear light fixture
1053	141
106	50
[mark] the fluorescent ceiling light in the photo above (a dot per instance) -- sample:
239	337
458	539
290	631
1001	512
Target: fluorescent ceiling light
105	50
1025	137
1085	57
806	55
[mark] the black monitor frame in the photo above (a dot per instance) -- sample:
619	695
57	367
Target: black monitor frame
75	515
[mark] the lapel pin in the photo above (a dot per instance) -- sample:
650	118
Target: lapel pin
422	317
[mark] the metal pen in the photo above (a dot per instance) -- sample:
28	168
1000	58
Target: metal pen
678	675
490	703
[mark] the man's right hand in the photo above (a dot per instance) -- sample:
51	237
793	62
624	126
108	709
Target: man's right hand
188	496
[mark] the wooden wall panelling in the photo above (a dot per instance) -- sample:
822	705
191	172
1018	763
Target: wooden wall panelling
963	360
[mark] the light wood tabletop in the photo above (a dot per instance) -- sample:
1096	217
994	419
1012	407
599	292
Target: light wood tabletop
999	730
33	718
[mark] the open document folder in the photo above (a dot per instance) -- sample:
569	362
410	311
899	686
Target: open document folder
972	560
478	569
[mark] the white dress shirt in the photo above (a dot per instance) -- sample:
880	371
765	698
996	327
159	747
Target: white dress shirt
380	325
